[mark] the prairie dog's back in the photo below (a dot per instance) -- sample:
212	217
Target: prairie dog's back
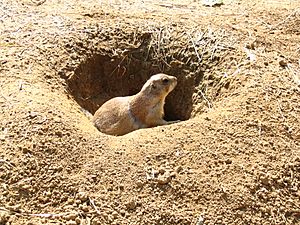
112	117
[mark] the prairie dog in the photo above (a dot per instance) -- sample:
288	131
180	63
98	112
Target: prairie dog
121	115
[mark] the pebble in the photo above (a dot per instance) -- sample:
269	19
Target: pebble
115	214
130	205
78	220
139	183
178	169
82	196
163	179
77	201
173	174
70	217
162	170
84	208
123	212
282	63
228	161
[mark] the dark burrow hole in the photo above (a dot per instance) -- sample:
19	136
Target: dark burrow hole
102	77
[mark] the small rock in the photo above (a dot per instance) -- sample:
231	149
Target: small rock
173	174
78	220
84	208
178	169
77	201
212	3
283	63
163	179
82	196
162	171
70	217
250	46
59	133
33	115
130	205
115	214
123	212
48	193
70	201
139	183
105	215
228	161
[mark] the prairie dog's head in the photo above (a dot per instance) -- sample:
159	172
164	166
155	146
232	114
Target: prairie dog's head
160	85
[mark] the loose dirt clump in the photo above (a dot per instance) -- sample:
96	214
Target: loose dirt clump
234	158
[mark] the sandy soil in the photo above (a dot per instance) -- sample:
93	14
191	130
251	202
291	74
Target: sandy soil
235	157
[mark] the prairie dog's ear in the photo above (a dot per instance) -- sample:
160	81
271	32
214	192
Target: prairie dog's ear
153	86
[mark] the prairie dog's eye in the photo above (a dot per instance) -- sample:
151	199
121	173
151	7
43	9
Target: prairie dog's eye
165	80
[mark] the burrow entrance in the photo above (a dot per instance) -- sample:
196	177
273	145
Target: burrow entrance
106	74
102	77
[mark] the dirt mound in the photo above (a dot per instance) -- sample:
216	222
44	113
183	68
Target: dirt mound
234	159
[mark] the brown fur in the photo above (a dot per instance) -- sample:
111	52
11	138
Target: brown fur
121	115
